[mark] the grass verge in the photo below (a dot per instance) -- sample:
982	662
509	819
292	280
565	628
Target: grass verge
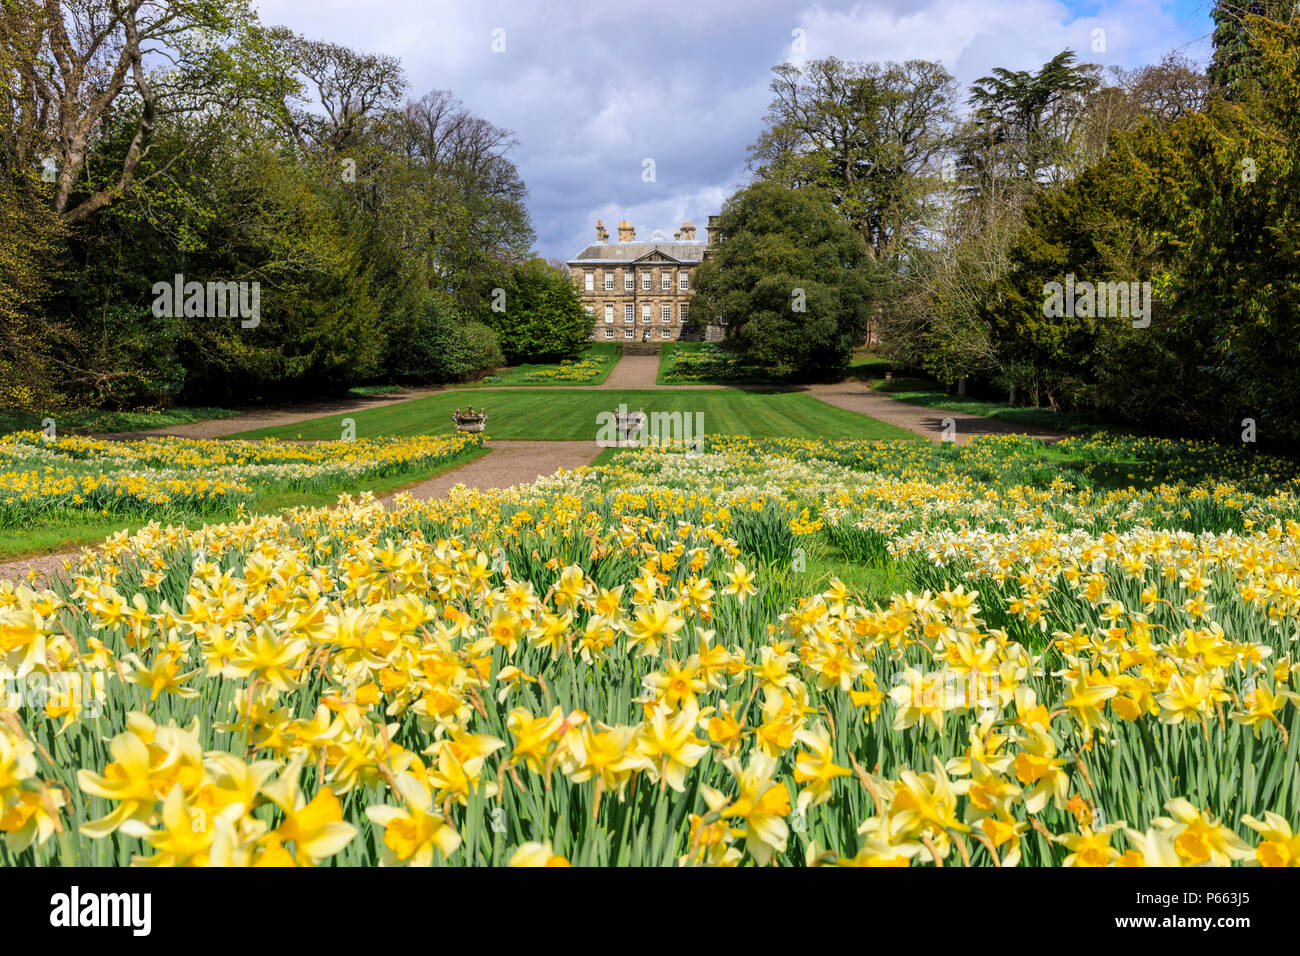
870	369
92	421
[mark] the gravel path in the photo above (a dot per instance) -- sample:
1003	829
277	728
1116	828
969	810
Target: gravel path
510	463
633	371
41	565
924	421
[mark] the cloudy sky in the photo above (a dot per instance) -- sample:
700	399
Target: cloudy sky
594	89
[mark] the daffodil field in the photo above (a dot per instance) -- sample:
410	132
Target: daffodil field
154	476
656	662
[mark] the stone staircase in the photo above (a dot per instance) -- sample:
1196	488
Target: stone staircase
641	348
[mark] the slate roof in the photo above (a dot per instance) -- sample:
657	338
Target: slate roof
616	252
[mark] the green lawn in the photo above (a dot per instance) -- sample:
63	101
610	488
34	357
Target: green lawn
915	392
366	391
1045	418
77	527
870	369
866	366
559	414
601	357
91	421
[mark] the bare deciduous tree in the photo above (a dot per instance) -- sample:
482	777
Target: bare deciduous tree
867	134
349	93
81	61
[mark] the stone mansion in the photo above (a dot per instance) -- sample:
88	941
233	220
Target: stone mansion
639	291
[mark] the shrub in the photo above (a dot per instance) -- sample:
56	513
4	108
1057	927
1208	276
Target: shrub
443	346
542	318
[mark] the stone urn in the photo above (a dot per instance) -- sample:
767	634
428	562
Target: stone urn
469	420
631	426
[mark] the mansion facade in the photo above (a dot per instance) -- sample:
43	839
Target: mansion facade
639	291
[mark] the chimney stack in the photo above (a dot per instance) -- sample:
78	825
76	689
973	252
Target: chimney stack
713	230
687	232
602	234
625	231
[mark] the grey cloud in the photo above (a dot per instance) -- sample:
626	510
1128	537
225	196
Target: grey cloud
591	89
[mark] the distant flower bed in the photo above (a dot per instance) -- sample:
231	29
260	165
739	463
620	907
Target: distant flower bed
569	372
708	363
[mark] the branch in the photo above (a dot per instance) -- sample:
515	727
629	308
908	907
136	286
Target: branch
139	142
